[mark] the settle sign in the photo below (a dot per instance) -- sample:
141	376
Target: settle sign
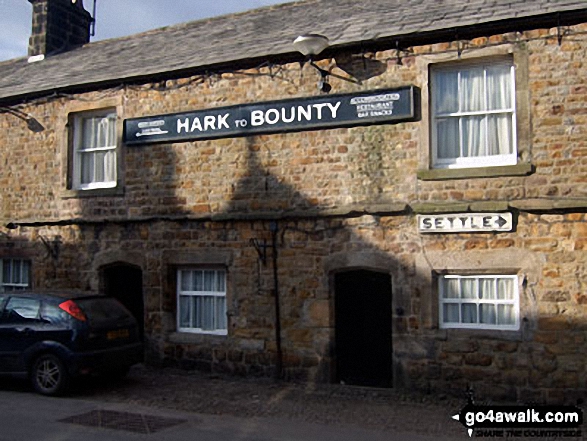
345	110
465	223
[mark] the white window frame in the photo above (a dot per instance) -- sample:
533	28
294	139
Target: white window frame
217	292
15	285
477	161
79	150
515	302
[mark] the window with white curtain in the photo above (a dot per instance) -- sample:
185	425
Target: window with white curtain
15	274
479	302
473	114
201	301
94	150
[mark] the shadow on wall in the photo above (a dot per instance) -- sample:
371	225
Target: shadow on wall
259	191
336	280
43	262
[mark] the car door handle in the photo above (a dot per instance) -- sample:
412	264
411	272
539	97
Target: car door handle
24	330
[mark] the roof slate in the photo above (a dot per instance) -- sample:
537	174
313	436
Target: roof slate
256	34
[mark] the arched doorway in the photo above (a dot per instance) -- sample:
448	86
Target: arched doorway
125	283
363	324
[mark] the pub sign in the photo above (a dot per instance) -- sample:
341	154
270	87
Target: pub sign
322	112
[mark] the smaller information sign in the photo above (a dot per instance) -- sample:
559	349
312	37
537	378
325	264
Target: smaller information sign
465	222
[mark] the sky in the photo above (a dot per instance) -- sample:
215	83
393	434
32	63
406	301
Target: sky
117	18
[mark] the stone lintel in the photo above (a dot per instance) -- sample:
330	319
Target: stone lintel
439	207
392	209
549	204
561	204
489	206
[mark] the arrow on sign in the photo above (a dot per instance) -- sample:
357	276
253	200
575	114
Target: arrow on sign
501	221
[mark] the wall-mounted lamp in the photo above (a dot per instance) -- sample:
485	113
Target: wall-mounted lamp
8	226
32	124
313	44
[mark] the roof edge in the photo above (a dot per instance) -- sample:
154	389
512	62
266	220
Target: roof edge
518	24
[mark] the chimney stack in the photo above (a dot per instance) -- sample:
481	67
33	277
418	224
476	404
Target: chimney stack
58	26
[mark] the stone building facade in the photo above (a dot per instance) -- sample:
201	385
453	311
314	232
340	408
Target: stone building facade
365	255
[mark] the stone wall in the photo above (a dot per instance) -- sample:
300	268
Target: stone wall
365	167
343	199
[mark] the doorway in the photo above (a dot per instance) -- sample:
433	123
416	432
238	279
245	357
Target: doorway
124	282
363	324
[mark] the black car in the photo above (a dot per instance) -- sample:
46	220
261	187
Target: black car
55	337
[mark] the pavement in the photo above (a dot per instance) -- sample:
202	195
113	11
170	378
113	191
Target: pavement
26	416
381	410
176	405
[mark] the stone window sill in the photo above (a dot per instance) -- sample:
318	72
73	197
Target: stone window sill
521	169
194	338
483	334
99	192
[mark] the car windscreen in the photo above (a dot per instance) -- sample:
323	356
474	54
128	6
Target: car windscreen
100	309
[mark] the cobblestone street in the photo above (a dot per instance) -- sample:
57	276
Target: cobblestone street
374	409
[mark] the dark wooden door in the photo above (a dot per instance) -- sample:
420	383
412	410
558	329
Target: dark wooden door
363	328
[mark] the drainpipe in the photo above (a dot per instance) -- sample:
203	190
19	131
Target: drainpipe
279	365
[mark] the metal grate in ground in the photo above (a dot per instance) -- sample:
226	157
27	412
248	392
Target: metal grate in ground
131	422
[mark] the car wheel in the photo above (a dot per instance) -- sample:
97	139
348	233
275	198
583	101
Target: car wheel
49	375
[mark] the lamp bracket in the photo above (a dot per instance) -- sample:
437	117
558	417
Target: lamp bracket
325	73
32	124
52	246
261	249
